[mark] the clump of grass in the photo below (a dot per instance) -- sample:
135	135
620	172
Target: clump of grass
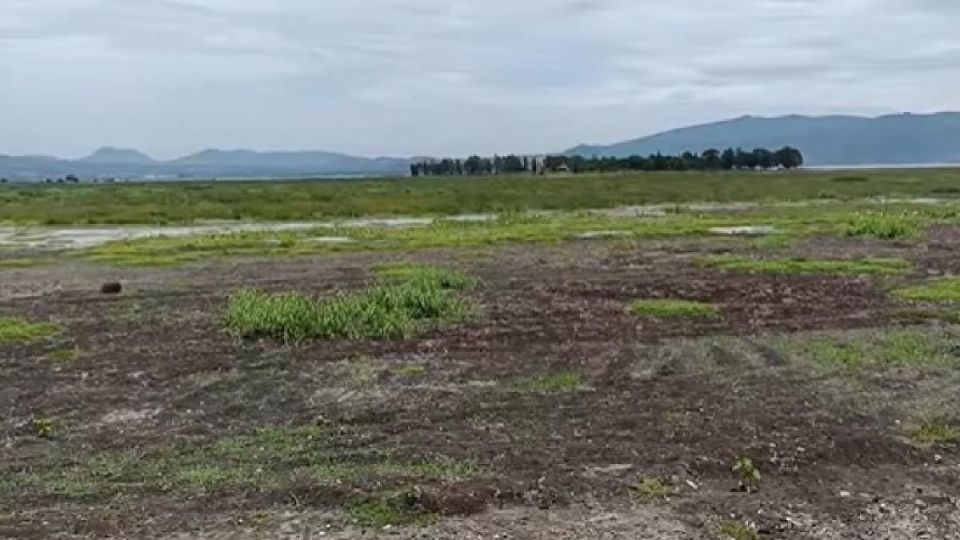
42	426
747	474
654	489
555	383
667	308
737	530
65	356
396	509
940	291
419	273
385	311
17	330
936	433
808	266
882	225
895	348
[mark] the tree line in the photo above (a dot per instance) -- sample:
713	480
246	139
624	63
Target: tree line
709	160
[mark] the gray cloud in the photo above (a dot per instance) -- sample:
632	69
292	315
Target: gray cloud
450	76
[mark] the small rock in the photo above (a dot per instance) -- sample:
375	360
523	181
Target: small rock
113	287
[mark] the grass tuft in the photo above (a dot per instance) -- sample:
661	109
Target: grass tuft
392	510
654	489
385	311
666	308
940	291
444	278
808	266
17	330
882	225
66	356
737	530
936	433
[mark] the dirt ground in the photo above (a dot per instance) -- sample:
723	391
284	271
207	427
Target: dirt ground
674	400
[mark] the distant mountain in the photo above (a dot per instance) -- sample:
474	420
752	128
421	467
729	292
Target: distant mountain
824	140
247	162
119	156
127	163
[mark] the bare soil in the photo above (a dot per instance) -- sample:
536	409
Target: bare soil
671	399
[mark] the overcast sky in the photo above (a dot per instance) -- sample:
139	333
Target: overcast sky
414	77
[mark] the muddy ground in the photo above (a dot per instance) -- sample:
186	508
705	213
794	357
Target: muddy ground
672	400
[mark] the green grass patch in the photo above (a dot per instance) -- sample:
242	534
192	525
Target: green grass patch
21	263
168	203
936	433
666	308
807	266
883	225
17	330
654	490
737	530
65	356
391	510
266	460
385	311
894	348
444	278
940	291
511	228
554	383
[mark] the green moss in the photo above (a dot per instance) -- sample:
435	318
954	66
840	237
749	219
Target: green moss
17	330
666	308
555	383
808	266
939	291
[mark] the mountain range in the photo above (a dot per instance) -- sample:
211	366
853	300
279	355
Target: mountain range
129	163
900	139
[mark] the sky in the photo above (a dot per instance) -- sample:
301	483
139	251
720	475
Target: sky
451	77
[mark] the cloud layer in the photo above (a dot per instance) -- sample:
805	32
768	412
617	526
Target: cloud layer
409	77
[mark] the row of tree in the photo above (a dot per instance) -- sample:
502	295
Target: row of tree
709	160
